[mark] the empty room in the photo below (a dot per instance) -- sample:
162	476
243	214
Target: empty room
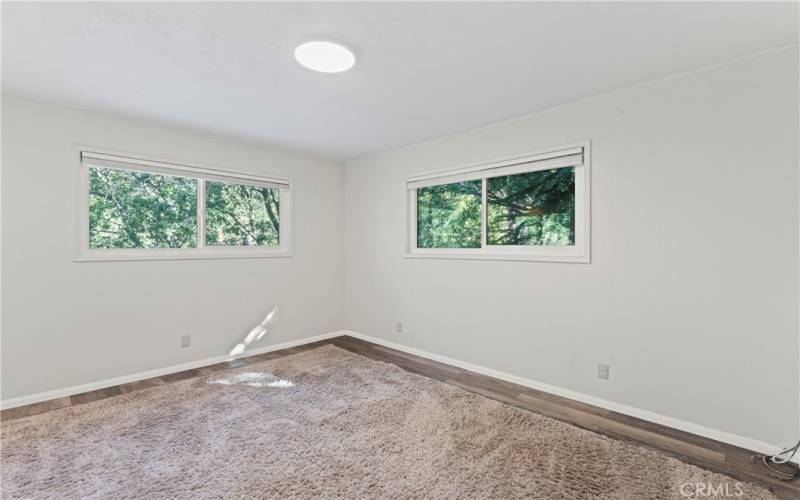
422	250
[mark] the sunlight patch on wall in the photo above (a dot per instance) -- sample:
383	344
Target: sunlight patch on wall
255	334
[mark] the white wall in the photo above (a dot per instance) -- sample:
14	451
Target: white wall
67	323
692	292
691	296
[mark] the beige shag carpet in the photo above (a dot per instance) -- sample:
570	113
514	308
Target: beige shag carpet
325	423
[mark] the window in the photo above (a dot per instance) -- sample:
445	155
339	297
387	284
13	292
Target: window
531	208
142	209
449	215
237	214
534	208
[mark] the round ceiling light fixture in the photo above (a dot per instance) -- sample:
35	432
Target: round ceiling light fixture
325	56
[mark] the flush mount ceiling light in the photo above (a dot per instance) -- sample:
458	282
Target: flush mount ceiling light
325	56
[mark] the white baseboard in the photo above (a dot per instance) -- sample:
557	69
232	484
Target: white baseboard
125	379
708	432
718	435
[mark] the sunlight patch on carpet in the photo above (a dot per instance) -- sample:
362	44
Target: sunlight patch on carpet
253	379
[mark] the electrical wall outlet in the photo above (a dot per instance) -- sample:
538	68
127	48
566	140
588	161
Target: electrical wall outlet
602	371
399	327
186	340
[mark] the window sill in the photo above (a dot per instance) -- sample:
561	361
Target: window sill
578	259
114	256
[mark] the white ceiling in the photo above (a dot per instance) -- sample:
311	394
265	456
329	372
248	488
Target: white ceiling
424	70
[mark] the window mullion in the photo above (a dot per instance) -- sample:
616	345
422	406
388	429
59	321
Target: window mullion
484	213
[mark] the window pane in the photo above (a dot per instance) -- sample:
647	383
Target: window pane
241	215
139	210
449	216
534	208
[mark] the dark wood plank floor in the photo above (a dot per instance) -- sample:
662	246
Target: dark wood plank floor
707	453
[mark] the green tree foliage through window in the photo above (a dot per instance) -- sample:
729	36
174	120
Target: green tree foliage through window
449	215
534	208
242	215
141	210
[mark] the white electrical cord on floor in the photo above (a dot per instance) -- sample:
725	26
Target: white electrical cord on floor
774	458
777	460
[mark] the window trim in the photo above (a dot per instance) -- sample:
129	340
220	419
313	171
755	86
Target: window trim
201	173
579	253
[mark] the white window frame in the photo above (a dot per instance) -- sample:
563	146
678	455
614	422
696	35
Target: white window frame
200	173
528	162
